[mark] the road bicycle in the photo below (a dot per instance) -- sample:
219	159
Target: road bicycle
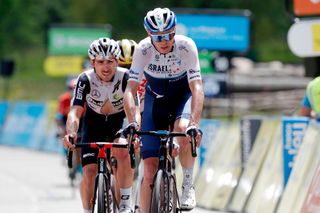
164	197
104	194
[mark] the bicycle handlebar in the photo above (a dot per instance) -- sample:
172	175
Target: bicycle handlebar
162	133
193	143
167	134
131	149
70	154
95	145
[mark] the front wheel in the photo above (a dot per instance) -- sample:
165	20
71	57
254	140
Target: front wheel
105	198
174	201
160	194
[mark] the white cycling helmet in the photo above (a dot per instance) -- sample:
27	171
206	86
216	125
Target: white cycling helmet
159	20
105	47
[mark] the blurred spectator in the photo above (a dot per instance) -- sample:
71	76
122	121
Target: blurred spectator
311	101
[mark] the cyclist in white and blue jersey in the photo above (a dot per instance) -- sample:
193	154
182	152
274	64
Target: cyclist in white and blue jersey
174	95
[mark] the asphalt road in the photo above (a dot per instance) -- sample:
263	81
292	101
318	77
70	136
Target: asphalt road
36	182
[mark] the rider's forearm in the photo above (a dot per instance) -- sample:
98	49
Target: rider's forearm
196	104
73	120
130	106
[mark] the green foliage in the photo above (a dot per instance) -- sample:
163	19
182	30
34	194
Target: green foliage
24	24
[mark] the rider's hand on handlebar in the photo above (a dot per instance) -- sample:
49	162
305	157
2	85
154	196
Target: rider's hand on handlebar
67	143
130	128
194	130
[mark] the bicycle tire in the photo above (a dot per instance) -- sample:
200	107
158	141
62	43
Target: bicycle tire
105	200
174	200
160	194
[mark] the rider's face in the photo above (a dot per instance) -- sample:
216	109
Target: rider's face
163	41
105	68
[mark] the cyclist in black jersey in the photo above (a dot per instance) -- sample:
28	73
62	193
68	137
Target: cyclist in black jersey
101	90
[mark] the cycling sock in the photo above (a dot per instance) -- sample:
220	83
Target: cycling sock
125	194
187	176
87	211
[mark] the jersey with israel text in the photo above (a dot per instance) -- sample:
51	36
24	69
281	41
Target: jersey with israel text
167	74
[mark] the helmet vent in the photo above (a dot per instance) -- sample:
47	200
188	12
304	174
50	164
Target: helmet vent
165	16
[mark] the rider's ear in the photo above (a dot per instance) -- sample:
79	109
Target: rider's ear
92	62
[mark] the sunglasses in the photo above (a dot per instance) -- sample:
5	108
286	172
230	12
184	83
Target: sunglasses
159	38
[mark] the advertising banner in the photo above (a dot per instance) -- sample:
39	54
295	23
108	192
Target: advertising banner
25	126
4	107
63	65
293	130
216	32
205	59
249	127
304	38
312	201
209	128
306	7
74	40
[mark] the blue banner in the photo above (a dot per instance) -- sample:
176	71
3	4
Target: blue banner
209	128
4	107
216	32
26	125
293	130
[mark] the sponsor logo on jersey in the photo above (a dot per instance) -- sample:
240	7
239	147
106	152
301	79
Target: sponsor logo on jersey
116	86
95	93
142	88
118	102
178	78
195	76
131	72
117	97
80	90
145	48
192	71
182	47
134	78
94	102
158	68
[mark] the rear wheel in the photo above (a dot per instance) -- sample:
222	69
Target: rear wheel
160	194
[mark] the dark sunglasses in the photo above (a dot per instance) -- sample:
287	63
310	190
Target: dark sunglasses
159	38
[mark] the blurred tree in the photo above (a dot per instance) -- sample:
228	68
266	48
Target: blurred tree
24	23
